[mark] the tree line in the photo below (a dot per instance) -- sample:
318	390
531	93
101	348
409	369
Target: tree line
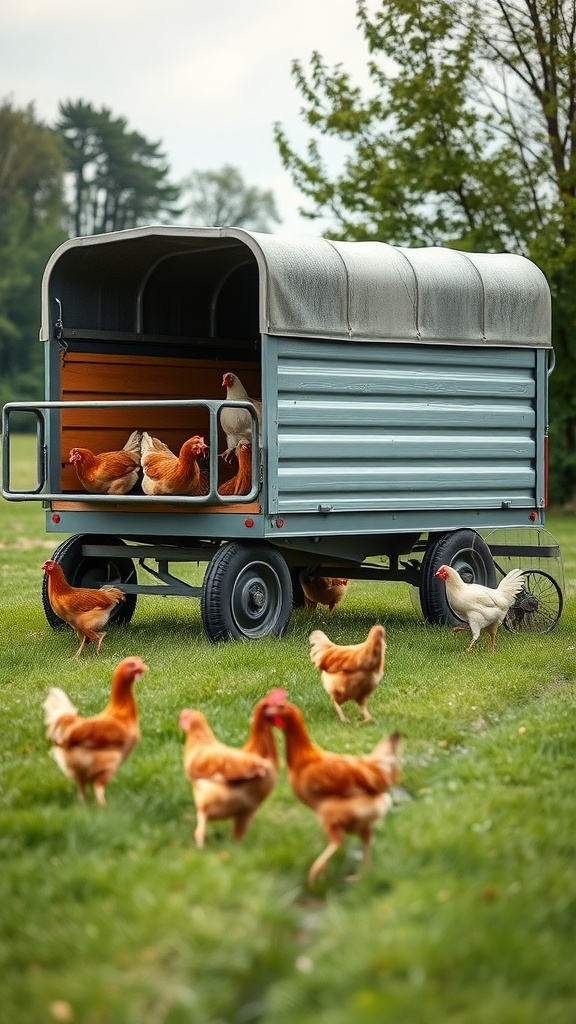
88	174
464	137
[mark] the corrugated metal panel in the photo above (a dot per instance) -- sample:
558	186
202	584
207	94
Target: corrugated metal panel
375	291
307	287
404	427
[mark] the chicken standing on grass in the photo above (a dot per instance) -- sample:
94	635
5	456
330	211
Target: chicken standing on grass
352	671
229	782
91	750
347	793
87	610
481	607
166	473
110	472
322	589
237	423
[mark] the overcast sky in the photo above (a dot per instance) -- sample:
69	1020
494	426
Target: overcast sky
205	79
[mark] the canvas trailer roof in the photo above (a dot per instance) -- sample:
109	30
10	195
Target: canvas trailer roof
314	287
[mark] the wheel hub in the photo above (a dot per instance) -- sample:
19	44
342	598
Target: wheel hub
256	597
254	601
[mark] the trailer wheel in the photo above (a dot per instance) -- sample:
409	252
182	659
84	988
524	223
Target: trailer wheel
538	606
246	593
91	572
465	551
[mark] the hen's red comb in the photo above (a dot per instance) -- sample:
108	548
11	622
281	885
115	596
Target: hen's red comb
276	696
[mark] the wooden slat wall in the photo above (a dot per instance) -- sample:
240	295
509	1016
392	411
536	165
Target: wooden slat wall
90	376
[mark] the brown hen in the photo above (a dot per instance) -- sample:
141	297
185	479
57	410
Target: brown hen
242	481
91	750
347	793
229	782
110	472
322	589
86	609
349	671
166	473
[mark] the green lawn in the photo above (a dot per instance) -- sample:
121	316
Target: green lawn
113	917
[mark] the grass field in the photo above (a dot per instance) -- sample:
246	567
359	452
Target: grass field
113	917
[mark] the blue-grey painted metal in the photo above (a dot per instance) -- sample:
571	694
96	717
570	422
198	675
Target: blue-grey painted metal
402	427
42	490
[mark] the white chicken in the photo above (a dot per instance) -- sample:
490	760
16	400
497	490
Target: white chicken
481	607
237	423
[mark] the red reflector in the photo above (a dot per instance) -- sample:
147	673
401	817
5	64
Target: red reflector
55	517
279	523
533	516
248	522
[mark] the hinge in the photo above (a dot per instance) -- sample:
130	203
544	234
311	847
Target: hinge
59	331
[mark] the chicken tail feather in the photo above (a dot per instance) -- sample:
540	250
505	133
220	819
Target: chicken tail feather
319	644
134	443
57	703
511	584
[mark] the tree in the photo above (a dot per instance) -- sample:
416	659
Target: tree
222	198
467	138
117	178
31	227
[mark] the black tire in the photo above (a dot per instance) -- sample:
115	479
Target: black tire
92	572
465	551
246	593
538	606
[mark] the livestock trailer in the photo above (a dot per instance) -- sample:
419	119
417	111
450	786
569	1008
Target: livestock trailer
403	418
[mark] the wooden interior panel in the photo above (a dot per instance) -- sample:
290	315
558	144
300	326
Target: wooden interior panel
249	507
93	376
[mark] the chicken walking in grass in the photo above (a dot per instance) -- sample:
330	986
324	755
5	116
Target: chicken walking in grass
481	607
349	671
327	590
87	610
237	423
91	750
347	793
229	782
166	473
111	472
